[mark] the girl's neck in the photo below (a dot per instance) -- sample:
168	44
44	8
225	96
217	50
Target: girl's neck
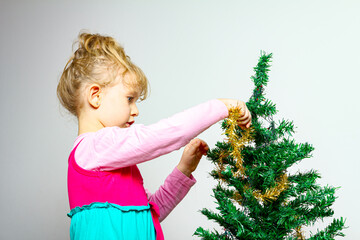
85	125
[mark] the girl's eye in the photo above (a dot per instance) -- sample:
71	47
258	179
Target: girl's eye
130	98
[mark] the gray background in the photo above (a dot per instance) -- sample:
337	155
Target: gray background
191	51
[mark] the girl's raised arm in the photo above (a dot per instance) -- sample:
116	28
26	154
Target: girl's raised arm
116	147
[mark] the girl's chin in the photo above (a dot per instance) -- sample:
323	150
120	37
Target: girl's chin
125	125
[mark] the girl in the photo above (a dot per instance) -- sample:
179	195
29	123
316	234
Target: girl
101	86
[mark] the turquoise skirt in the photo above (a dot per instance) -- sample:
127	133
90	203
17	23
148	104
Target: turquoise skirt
111	221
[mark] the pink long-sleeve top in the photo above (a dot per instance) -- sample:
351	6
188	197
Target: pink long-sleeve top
112	148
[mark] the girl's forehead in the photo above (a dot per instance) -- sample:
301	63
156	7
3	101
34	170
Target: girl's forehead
133	92
129	88
127	79
131	82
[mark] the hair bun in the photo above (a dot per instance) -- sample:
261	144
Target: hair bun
95	44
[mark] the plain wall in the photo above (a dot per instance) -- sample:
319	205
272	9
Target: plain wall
191	51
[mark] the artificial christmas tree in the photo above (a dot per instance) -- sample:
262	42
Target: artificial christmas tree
256	196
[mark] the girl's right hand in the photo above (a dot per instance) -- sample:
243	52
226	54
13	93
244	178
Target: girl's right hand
192	155
245	119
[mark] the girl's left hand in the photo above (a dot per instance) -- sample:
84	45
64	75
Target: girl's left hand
192	155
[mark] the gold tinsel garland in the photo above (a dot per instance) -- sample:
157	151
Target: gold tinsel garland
274	192
237	144
299	234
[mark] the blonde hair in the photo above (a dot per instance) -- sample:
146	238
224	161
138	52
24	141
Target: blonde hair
98	59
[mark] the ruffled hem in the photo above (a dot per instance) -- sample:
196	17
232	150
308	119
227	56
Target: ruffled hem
106	205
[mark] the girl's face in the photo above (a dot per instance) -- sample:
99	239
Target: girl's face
118	106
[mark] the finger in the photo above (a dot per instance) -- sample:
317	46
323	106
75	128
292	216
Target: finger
203	143
245	116
246	121
244	112
204	147
246	124
195	144
191	146
195	141
198	147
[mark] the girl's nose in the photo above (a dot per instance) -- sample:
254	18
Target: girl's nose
134	111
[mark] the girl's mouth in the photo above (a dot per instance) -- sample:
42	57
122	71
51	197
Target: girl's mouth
128	124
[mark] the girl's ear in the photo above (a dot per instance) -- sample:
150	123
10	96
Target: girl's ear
93	95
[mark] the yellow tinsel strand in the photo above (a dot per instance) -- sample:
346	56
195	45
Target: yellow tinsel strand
274	192
237	144
220	166
299	234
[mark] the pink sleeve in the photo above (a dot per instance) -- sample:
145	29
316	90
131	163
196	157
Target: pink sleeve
169	195
113	147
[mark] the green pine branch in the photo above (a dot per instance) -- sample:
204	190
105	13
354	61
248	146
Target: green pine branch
331	231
